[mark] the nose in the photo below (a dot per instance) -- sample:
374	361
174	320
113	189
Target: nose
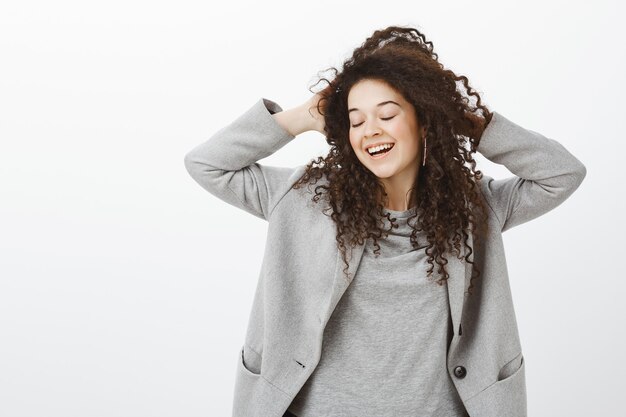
371	129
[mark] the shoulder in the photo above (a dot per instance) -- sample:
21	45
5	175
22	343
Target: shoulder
484	185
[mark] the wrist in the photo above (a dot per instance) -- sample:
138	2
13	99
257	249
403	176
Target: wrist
295	120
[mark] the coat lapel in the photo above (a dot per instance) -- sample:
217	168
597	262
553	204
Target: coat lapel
459	271
340	282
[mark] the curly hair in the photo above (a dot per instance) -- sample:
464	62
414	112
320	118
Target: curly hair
447	199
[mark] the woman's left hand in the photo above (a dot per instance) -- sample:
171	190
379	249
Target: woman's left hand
477	124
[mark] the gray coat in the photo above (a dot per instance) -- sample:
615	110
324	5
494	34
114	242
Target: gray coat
301	278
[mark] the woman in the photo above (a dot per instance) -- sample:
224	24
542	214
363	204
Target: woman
351	317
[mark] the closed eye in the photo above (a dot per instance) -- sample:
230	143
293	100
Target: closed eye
383	118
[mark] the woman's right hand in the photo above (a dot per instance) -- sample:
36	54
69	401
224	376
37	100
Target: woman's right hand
317	122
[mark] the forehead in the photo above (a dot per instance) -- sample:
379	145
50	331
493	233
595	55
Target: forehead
366	94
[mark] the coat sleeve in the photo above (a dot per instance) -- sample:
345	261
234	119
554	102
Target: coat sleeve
226	164
545	173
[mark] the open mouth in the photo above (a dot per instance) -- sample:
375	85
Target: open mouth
380	154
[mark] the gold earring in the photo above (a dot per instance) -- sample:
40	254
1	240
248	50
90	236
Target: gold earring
425	148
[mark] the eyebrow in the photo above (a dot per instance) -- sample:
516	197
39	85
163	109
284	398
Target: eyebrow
378	105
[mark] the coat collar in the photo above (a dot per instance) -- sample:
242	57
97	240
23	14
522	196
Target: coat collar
459	270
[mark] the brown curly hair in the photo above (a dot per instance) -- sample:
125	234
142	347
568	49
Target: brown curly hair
446	195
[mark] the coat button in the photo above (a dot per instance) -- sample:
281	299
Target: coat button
460	372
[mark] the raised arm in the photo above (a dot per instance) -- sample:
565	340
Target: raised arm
226	164
545	173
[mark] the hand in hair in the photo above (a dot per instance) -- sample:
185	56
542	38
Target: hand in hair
476	125
316	106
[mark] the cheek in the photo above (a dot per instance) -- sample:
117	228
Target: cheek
354	143
400	129
404	134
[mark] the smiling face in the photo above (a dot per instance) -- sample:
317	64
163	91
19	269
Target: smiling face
380	115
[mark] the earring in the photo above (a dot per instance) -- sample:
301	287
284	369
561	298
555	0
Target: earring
424	161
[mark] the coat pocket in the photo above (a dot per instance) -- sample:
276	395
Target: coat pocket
250	360
511	367
506	396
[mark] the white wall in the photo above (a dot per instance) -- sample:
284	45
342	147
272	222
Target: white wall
125	288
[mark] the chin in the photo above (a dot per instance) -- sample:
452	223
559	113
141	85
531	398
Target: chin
383	173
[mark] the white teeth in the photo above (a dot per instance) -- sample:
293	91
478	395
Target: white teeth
378	148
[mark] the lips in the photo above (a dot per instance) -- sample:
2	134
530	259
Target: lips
381	155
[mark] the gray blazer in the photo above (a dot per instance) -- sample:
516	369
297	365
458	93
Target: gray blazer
301	278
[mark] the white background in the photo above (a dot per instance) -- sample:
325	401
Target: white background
125	288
